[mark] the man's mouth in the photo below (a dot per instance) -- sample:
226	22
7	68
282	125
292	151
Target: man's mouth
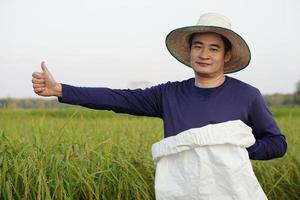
203	64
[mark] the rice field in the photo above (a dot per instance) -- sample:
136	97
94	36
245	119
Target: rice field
77	153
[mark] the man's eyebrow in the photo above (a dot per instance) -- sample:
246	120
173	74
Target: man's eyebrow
201	43
215	45
197	42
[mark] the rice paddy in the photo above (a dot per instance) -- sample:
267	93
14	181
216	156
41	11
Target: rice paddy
76	153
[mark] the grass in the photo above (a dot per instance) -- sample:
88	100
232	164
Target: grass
86	154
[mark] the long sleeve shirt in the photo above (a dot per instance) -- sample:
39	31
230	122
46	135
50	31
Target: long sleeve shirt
183	106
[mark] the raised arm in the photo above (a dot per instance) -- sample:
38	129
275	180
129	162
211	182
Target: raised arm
145	102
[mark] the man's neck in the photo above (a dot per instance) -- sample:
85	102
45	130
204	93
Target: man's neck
209	81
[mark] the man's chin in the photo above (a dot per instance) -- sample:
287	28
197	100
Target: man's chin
202	72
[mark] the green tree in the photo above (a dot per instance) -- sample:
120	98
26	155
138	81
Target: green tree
297	93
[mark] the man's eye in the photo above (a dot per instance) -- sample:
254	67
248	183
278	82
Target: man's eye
214	50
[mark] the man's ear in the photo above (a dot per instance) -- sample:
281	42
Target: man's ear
227	56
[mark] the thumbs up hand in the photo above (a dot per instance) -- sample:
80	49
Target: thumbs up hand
44	84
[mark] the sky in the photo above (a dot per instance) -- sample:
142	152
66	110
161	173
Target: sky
97	43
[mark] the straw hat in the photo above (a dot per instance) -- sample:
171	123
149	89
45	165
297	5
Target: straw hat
177	41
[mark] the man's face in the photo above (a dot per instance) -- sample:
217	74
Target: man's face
208	54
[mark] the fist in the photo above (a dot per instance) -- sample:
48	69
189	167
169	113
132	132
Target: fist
44	84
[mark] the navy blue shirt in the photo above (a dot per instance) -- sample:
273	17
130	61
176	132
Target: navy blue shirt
182	106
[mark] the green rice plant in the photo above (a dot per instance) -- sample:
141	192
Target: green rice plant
77	153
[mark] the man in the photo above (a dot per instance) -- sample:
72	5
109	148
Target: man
211	49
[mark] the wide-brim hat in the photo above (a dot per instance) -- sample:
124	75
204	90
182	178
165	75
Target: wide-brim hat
177	41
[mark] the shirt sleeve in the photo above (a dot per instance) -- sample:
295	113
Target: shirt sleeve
270	142
142	102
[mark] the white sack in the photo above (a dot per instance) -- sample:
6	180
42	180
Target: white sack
210	162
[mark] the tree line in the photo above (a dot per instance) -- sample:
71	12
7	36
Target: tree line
29	103
284	99
272	100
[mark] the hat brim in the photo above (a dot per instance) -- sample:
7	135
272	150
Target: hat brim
177	42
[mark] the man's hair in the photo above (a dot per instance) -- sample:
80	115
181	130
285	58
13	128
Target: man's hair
227	43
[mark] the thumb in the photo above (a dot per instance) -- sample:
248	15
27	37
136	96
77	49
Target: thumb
44	68
48	75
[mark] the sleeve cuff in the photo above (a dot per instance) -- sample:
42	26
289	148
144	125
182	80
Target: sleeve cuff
64	89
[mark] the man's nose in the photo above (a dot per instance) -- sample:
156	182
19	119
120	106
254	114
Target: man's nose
204	54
